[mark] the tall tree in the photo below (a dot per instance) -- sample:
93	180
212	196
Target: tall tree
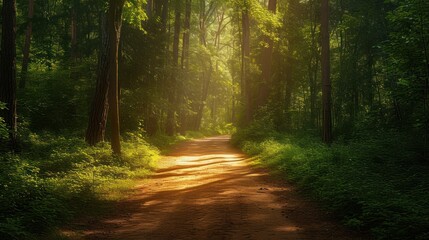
184	66
266	61
326	89
114	15
186	35
171	118
245	65
27	44
8	68
207	65
73	31
106	97
99	108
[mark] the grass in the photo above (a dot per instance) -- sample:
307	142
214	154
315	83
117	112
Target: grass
55	178
374	183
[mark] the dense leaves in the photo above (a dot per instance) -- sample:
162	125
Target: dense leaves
368	183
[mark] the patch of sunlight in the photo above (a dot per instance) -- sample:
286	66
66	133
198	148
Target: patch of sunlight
256	174
288	229
153	202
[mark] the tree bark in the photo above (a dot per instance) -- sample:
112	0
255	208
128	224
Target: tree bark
205	92
171	118
106	96
115	24
266	61
8	69
326	90
184	66
149	9
186	35
27	44
313	67
99	107
73	31
245	64
206	74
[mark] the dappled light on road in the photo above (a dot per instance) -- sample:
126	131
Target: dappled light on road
205	189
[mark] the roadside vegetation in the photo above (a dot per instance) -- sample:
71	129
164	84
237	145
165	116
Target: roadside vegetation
374	182
55	179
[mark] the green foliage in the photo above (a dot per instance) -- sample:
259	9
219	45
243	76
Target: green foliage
56	101
134	13
373	183
27	204
3	127
54	177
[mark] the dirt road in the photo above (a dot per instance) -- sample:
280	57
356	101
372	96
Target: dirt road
205	189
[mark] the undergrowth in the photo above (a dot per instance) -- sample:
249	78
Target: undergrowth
374	183
56	178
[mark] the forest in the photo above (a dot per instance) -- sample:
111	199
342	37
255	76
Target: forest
331	96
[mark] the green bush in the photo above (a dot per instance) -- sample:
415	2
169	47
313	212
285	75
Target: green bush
27	204
55	101
374	183
54	177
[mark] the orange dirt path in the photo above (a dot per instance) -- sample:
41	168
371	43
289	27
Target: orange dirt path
205	189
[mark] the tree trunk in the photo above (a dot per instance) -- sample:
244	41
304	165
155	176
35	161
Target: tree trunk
149	9
164	16
114	29
205	92
326	90
73	31
206	74
186	35
184	66
266	61
8	68
313	68
245	64
171	118
27	43
288	92
106	93
99	107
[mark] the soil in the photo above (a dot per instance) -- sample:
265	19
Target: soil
207	189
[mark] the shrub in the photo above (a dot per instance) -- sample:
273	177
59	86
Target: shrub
373	183
54	177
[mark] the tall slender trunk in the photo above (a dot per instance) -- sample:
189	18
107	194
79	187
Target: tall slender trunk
115	24
313	68
171	114
149	8
164	15
106	93
186	35
205	92
27	43
73	31
288	92
245	61
266	61
326	89
184	66
8	69
99	108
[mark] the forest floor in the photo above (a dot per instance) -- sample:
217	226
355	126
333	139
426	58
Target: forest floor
207	189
